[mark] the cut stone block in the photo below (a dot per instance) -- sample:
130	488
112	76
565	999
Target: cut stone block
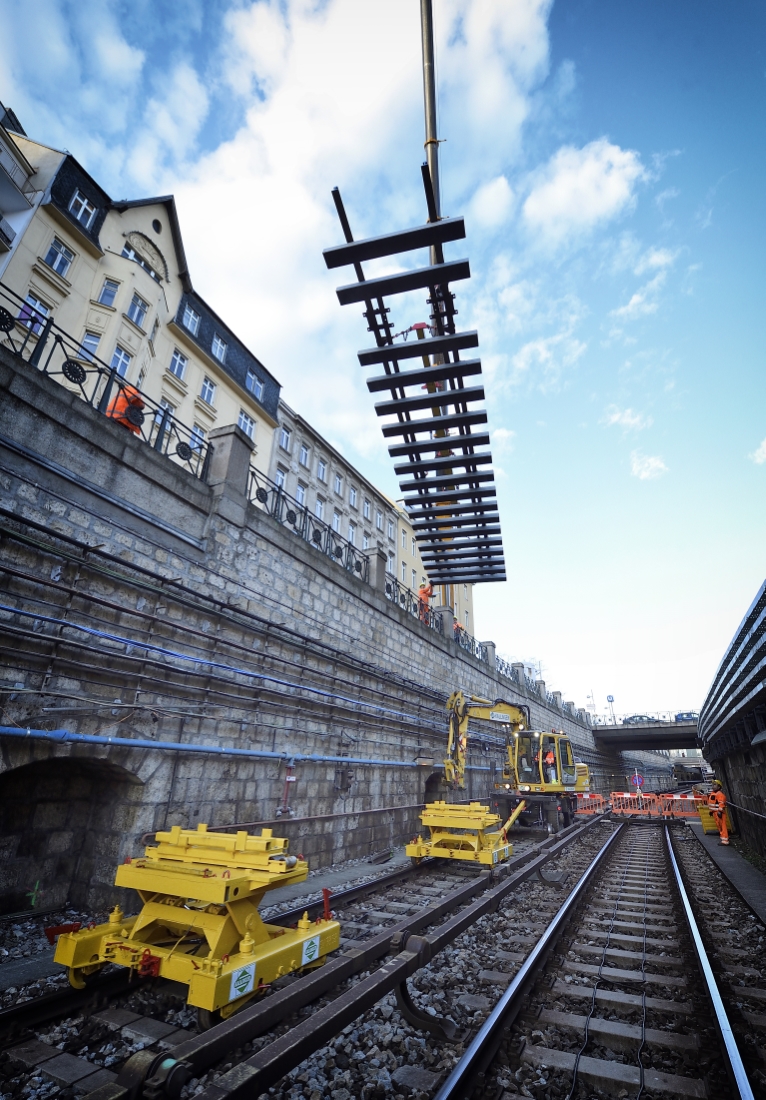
498	977
66	1069
144	1029
32	1053
469	1000
174	1039
115	1018
412	1077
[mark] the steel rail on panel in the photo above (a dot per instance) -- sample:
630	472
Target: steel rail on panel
482	1048
733	1057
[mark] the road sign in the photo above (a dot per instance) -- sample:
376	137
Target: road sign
610	698
637	780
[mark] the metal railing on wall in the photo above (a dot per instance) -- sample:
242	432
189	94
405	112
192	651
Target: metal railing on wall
272	498
44	345
468	643
408	601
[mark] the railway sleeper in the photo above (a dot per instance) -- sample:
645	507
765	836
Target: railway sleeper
615	974
613	1076
620	1036
629	956
617	1000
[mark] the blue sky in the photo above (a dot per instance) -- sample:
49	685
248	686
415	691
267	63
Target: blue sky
608	158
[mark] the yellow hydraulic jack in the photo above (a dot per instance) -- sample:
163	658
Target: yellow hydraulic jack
470	833
200	923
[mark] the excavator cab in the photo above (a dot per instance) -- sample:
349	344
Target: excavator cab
543	762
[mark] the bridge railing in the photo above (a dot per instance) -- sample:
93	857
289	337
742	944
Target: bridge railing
663	716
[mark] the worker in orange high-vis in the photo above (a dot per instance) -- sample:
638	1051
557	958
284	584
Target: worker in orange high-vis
716	801
126	398
425	592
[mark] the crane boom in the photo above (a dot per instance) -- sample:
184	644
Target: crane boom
460	710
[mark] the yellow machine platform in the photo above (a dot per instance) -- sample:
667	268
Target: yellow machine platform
461	832
200	923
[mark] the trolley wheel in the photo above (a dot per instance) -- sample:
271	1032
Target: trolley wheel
416	860
82	976
207	1018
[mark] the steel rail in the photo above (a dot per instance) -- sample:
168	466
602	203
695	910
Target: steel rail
160	1076
734	1061
482	1049
52	1006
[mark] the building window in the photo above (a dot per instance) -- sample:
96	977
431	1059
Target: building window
339	484
379	520
59	257
281	478
33	312
108	292
130	254
465	591
367	509
336	522
246	423
89	346
254	384
303	455
391	564
164	412
466	620
322	470
352	497
391	529
352	534
197	438
404	539
178	364
120	361
284	439
84	212
414	579
319	508
413	546
300	494
365	541
219	348
404	572
191	320
137	310
207	393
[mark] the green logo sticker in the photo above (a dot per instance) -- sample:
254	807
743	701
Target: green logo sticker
310	950
242	981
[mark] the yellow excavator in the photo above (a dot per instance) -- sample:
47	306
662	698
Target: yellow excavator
540	776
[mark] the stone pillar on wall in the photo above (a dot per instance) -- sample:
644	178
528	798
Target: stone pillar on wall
518	668
557	698
447	617
491	654
378	573
229	471
540	685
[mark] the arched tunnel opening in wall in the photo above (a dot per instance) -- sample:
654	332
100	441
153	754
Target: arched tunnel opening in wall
436	788
62	824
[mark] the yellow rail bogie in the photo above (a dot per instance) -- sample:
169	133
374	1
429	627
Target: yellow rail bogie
479	838
199	923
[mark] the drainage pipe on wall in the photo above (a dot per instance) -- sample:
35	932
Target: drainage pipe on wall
63	737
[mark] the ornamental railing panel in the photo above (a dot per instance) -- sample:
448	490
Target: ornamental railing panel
44	345
299	520
408	601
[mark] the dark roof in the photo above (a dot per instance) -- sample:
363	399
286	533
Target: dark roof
72	176
9	120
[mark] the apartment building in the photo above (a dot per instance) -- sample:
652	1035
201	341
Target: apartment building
114	276
318	477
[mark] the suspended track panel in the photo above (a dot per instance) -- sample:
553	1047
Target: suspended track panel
446	480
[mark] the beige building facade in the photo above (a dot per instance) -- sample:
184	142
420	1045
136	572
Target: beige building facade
114	277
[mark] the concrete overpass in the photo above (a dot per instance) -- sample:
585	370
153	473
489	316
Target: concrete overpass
647	735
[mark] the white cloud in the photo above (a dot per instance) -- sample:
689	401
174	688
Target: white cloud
502	440
544	361
643	302
491	205
579	189
626	419
646	467
654	259
759	454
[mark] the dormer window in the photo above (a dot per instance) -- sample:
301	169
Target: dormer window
191	320
219	348
254	384
82	210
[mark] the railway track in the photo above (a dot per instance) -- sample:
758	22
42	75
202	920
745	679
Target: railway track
397	904
576	983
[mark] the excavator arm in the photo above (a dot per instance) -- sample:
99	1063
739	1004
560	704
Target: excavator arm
460	710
